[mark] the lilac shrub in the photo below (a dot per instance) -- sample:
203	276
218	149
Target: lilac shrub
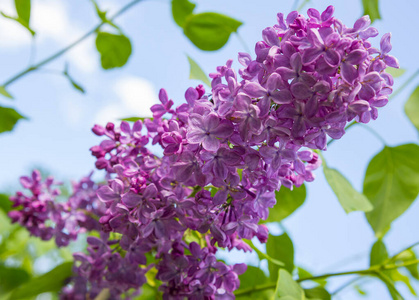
225	154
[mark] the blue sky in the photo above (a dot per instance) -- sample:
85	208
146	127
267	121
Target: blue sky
58	135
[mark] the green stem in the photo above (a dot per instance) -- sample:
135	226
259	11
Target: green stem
374	271
72	45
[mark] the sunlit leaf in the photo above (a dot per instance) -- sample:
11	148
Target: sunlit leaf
282	249
395	72
197	73
114	49
411	108
5	93
210	31
391	184
371	9
349	198
8	118
287	288
181	9
52	281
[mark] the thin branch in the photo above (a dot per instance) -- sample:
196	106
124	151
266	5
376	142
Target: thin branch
373	271
72	45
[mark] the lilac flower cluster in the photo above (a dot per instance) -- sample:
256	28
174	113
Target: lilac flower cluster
46	218
225	155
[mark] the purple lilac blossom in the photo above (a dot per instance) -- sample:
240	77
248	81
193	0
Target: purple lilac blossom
225	155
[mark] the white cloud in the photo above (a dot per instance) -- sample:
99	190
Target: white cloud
136	96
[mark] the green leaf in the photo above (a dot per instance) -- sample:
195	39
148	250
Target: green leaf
406	256
395	72
349	198
197	73
251	278
287	202
11	278
8	118
280	248
114	49
303	273
5	203
23	8
287	288
181	9
318	293
411	108
52	281
210	31
378	253
391	184
371	9
5	93
379	256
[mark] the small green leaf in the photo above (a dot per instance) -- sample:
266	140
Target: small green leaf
411	108
5	203
282	249
395	72
181	9
52	281
287	288
349	198
8	118
197	73
210	31
23	8
378	253
360	291
287	202
5	93
114	49
391	184
11	278
317	293
252	277
371	9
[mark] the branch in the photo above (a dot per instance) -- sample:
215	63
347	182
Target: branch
373	271
72	45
